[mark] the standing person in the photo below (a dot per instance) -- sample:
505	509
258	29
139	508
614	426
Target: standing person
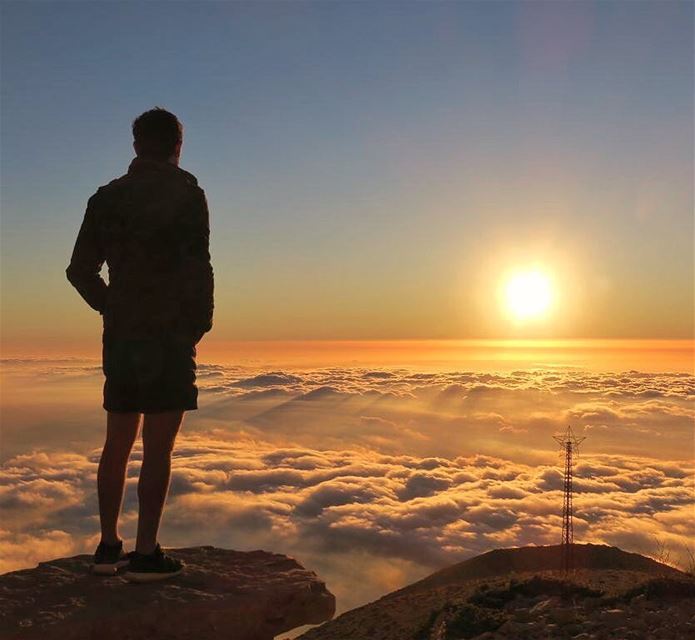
151	226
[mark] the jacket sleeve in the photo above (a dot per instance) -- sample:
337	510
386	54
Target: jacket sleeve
199	273
88	256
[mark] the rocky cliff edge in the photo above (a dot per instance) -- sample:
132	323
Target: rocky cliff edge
252	595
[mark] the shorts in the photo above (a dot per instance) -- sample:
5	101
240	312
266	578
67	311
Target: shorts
148	375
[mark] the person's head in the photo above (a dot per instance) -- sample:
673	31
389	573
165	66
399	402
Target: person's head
158	135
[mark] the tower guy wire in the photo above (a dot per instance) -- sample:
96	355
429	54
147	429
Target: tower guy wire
569	443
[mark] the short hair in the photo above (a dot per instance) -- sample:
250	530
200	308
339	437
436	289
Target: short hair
157	133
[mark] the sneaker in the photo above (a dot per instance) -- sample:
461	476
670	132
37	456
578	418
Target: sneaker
108	559
152	566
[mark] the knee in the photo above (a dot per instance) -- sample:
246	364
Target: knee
116	452
159	456
158	448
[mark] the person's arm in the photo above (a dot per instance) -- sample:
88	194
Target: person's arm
198	271
88	256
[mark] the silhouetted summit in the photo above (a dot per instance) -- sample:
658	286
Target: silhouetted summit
522	593
500	562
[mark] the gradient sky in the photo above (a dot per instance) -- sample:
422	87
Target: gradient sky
372	169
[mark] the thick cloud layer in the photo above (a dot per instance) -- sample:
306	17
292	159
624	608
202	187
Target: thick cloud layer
377	477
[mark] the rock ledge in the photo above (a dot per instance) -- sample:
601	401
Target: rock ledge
222	593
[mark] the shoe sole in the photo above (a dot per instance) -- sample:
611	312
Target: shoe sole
108	569
150	576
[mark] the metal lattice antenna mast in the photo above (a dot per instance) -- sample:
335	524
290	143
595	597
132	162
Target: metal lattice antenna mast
569	443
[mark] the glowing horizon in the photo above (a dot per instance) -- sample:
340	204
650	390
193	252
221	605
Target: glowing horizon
476	354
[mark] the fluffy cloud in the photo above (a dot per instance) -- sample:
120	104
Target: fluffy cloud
352	469
420	512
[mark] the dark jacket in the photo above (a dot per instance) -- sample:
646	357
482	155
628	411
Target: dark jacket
152	228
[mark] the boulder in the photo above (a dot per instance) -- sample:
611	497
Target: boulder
252	595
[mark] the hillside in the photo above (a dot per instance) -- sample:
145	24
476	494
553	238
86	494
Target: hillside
519	593
534	559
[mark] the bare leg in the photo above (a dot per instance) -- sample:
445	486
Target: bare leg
121	431
158	436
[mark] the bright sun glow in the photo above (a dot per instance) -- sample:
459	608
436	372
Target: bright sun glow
528	295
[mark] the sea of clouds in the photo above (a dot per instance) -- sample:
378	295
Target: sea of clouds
371	477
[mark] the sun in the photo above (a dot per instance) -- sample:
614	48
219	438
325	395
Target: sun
528	294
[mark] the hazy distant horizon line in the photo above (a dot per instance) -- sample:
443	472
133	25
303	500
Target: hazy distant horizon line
616	354
491	342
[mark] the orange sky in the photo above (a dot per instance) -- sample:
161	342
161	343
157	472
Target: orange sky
478	355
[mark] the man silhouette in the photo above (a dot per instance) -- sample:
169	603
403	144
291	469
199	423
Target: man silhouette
151	226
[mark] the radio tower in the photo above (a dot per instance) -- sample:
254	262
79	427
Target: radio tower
569	443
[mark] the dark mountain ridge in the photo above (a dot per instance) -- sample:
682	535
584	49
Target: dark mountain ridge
499	562
522	593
